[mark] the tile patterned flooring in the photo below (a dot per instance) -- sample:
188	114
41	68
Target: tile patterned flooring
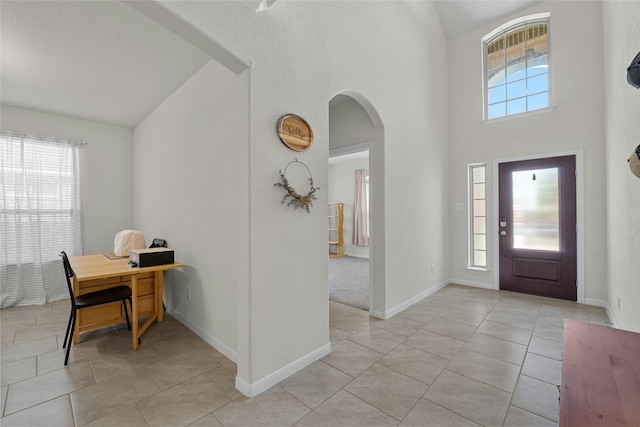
460	357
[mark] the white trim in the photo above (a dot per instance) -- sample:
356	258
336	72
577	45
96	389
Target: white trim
545	16
522	115
350	149
605	305
579	154
478	269
252	390
473	284
356	255
207	337
387	314
377	314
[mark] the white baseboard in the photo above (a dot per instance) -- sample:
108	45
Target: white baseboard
603	304
596	302
357	256
473	284
408	303
251	390
208	338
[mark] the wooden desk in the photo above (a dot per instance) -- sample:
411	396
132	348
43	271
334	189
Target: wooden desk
96	272
600	376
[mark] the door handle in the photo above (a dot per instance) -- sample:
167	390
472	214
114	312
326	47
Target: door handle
503	222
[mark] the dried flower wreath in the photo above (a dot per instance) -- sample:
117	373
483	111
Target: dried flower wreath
296	199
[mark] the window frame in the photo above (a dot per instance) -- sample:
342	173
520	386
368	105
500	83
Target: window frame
505	28
471	261
69	206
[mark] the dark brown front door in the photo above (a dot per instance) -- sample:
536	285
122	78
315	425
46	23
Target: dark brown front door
537	227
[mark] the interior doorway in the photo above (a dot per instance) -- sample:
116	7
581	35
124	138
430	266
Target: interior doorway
356	129
349	194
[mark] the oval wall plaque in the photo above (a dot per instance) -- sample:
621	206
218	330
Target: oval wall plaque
295	132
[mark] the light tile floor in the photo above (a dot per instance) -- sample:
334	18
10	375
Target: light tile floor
461	357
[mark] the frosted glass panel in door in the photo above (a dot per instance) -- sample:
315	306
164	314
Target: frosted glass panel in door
536	221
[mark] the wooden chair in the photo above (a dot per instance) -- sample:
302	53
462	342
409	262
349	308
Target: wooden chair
118	293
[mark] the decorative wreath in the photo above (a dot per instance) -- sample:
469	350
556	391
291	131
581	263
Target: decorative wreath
296	199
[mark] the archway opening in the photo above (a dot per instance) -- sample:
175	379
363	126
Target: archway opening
356	269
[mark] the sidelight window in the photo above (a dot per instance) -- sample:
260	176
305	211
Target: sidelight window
477	216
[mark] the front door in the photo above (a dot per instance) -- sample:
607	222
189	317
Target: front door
537	227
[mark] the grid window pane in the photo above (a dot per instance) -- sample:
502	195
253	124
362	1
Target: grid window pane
539	101
517	106
517	71
518	58
516	54
538	84
480	241
496	77
517	89
478	191
497	94
537	66
480	224
480	258
478	174
497	110
537	41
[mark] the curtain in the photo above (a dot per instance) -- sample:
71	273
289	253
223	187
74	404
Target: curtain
360	235
40	215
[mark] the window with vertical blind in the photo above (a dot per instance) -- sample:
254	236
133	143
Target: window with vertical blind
40	215
516	67
477	216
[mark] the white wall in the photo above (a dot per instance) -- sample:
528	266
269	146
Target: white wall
395	58
107	192
349	124
341	190
191	175
575	124
621	44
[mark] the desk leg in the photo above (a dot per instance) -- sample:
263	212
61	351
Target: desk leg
76	328
159	294
134	311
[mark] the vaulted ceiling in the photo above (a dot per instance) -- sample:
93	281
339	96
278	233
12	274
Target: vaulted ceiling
459	17
105	61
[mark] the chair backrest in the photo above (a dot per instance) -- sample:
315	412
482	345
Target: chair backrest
68	273
158	243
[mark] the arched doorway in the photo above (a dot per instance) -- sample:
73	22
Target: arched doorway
356	130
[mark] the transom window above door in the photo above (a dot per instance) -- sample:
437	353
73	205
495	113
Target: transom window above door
517	67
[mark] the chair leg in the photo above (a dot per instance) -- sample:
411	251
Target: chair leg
73	326
66	335
126	314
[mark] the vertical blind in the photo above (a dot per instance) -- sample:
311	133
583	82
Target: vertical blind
40	215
